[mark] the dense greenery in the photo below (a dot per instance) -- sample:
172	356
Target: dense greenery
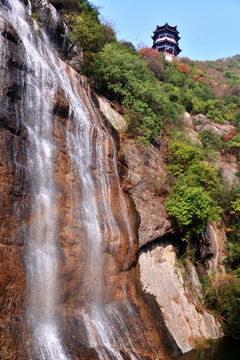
86	30
191	201
222	296
222	290
152	90
122	75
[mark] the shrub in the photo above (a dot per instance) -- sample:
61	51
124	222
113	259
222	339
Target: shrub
88	33
182	155
208	139
123	75
222	294
192	206
37	17
155	61
191	201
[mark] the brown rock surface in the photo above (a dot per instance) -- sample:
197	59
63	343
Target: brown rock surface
144	180
90	277
14	214
99	283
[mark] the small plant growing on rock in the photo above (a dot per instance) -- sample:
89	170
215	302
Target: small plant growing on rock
37	17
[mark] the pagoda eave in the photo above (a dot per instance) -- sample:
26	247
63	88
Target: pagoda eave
166	27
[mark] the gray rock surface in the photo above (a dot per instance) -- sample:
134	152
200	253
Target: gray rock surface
183	315
145	181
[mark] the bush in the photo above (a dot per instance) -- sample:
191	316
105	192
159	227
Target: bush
182	155
123	75
192	206
222	294
209	140
191	201
88	33
37	17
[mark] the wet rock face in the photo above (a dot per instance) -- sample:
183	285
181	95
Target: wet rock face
14	205
62	201
53	25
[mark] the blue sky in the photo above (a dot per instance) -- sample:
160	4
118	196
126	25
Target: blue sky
209	29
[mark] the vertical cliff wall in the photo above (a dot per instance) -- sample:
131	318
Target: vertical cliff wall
69	281
177	290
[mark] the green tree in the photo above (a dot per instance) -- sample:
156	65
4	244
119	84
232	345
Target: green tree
123	75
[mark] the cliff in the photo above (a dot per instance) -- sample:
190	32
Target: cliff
176	289
88	252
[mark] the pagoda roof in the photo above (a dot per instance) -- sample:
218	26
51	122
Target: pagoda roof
166	27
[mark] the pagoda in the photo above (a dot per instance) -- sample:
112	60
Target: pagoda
165	39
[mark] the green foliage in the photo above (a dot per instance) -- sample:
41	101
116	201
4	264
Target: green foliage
86	29
232	260
228	74
88	33
222	295
182	155
202	343
234	142
235	206
192	206
226	195
123	75
84	6
211	141
191	201
37	17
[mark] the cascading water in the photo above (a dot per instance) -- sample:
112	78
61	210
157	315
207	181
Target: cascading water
41	247
93	169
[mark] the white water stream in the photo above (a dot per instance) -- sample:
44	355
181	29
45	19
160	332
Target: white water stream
105	325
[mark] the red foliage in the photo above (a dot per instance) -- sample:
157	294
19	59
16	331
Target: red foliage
184	68
198	76
149	52
229	136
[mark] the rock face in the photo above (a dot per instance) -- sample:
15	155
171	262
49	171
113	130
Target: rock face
14	189
199	123
217	241
87	271
176	290
69	280
145	181
53	25
177	295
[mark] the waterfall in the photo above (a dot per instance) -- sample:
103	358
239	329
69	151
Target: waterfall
93	167
41	246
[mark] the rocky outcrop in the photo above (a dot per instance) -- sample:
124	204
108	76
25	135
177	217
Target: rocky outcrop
227	164
53	26
176	289
115	118
14	214
216	237
177	293
144	180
